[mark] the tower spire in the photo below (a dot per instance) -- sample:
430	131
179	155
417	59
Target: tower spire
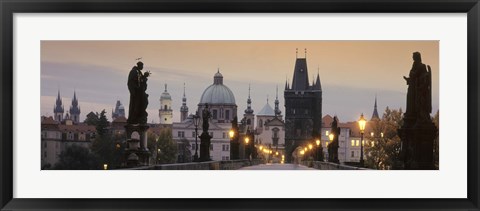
277	109
375	112
165	87
249	109
184	108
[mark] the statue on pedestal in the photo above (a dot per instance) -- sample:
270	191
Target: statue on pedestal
418	131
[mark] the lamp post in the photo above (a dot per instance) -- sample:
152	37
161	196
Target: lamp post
196	121
318	142
310	147
361	124
330	137
247	148
231	133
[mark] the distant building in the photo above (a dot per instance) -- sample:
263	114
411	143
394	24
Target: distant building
165	113
75	109
270	130
119	111
58	108
73	114
55	137
221	102
303	108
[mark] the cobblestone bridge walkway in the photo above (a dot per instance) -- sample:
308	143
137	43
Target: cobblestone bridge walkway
277	166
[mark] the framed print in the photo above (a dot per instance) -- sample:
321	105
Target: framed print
173	105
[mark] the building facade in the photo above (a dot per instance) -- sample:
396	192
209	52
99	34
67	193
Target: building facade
221	103
165	113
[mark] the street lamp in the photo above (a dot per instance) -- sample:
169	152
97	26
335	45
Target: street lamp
361	124
318	142
196	121
231	133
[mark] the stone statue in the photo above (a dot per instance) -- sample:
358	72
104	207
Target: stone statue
419	95
205	116
333	146
137	85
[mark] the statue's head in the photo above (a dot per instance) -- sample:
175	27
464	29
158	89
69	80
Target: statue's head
140	65
417	56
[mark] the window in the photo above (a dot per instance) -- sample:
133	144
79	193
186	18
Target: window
260	123
214	113
227	114
193	134
45	144
165	108
45	154
353	143
211	147
225	147
358	143
193	146
181	134
227	158
326	133
224	135
353	154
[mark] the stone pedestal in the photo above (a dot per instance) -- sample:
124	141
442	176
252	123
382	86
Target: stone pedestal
205	147
136	151
417	145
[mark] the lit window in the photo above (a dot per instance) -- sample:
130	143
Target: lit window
353	143
358	143
326	143
326	133
373	143
363	142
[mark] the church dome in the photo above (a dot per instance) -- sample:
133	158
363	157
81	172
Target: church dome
217	93
165	95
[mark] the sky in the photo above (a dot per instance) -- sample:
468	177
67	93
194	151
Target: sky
352	73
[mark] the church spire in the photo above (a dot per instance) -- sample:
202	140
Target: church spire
184	108
375	112
300	75
75	109
58	108
318	85
277	109
249	109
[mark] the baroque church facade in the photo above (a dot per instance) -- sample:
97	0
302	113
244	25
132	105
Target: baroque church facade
303	108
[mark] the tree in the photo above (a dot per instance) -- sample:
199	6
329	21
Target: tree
384	151
92	119
185	155
104	145
436	154
76	157
166	147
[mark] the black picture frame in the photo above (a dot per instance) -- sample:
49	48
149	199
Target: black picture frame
10	7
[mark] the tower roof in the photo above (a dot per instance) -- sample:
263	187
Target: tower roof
165	95
267	110
375	112
249	109
58	108
300	75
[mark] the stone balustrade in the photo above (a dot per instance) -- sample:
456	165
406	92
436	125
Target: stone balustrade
209	165
330	166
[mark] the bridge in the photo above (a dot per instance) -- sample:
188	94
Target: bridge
249	165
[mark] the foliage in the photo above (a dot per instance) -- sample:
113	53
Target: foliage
436	154
76	157
166	147
104	146
185	155
92	119
384	151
